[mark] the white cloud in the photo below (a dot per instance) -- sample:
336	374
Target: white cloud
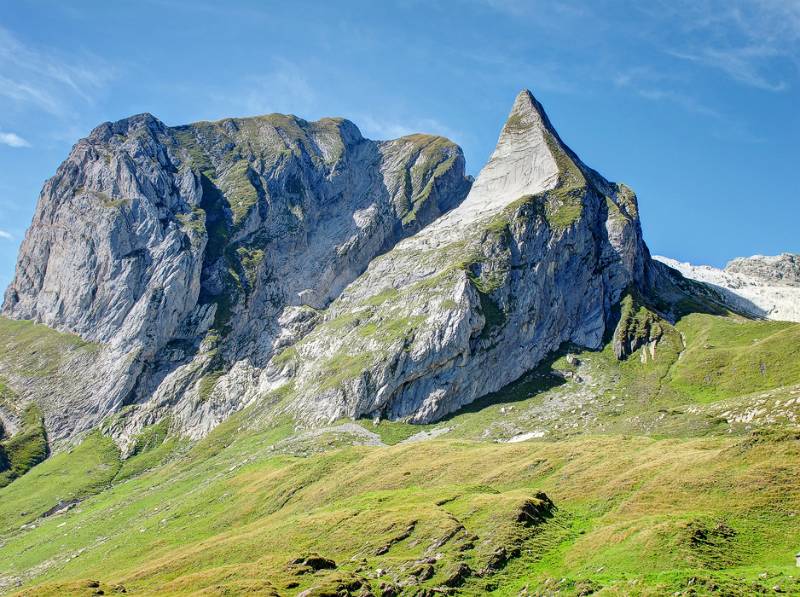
747	40
6	235
13	140
659	87
750	41
392	128
744	65
48	81
656	86
541	10
284	88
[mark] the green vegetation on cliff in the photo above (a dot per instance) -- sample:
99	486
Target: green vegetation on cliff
25	449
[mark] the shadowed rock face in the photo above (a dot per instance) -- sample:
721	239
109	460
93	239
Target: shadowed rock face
186	249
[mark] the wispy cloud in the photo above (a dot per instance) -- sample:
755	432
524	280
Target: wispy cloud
45	80
543	10
744	65
657	86
13	140
747	40
286	88
392	128
6	235
283	87
750	41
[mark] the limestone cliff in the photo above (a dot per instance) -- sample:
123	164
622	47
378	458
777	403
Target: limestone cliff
182	250
296	267
538	254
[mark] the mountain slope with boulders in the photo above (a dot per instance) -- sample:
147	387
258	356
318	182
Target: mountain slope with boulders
267	355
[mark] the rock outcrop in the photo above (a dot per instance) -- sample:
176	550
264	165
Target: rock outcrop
537	255
759	286
182	250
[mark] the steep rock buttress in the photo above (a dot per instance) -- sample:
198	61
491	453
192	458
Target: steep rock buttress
538	254
181	251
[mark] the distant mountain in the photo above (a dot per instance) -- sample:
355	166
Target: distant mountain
759	286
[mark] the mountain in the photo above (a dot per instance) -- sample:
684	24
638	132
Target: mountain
270	356
537	255
759	286
220	264
157	243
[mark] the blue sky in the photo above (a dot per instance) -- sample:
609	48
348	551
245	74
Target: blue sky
692	103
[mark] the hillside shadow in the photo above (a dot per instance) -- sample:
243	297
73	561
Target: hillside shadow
671	292
535	381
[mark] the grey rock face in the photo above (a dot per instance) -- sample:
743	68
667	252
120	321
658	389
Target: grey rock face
183	250
783	269
537	255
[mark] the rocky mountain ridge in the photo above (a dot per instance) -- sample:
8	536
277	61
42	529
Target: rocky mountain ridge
314	364
760	286
537	255
301	269
157	242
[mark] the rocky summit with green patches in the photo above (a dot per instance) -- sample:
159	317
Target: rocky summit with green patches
185	251
270	356
537	255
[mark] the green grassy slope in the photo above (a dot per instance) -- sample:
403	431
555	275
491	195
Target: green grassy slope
33	350
673	472
634	516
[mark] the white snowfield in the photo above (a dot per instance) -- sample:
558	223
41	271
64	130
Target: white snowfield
759	293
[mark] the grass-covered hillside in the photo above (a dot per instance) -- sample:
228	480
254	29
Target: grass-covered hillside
673	471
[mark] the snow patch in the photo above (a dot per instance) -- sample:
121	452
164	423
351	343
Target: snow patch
744	293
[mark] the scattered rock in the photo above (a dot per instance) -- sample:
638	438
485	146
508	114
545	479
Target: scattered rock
311	563
61	507
586	587
339	585
536	510
497	560
422	572
456	576
401	537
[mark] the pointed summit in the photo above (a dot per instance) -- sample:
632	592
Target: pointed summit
526	113
525	161
522	162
